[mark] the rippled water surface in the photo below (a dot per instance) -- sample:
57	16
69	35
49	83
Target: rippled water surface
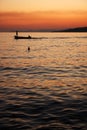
46	87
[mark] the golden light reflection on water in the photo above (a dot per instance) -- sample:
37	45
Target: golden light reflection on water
58	60
48	82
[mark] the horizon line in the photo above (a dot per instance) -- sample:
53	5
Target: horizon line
74	29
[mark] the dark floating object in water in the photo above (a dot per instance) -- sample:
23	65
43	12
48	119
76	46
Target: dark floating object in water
21	37
28	48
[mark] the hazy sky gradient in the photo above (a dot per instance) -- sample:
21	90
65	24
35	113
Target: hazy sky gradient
38	5
42	14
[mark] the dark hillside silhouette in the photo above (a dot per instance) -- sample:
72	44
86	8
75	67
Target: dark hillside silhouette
79	29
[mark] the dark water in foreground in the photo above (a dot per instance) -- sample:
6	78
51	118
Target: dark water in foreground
46	87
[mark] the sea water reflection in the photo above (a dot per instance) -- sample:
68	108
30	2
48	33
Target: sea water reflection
45	88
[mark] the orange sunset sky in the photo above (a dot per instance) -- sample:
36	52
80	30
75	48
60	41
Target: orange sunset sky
36	15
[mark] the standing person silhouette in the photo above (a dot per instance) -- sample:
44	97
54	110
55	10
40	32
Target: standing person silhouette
16	33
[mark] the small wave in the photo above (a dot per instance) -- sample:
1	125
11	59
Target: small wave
8	68
38	38
61	37
81	37
15	57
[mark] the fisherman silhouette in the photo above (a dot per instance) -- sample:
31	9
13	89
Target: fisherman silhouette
16	33
29	36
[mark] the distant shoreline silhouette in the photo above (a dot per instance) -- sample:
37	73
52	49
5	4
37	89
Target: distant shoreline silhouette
79	29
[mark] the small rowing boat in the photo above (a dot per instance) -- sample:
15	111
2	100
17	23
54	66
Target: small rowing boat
21	37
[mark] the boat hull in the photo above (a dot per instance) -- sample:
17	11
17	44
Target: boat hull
21	37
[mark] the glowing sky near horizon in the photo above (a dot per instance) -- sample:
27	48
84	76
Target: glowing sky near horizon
42	14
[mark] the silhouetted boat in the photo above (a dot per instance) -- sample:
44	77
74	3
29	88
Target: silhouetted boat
21	37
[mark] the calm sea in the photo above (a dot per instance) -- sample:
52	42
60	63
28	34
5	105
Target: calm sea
45	87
